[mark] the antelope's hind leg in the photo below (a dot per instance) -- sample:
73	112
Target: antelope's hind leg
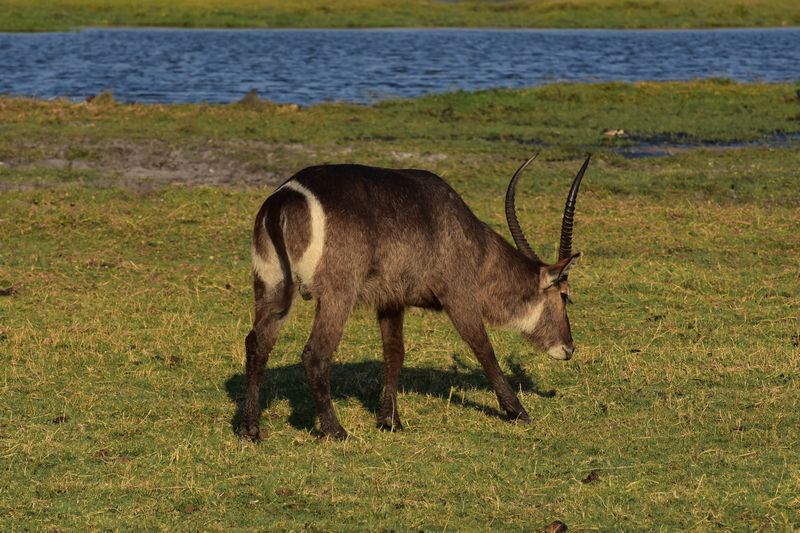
270	310
329	321
391	324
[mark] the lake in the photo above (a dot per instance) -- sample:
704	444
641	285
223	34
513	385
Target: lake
362	66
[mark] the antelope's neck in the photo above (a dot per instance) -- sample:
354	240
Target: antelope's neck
509	282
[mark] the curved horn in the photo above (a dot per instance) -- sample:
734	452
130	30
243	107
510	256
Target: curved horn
565	249
511	214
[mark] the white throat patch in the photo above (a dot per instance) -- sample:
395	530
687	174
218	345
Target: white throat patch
529	319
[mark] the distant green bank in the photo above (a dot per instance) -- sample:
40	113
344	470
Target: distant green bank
19	15
558	118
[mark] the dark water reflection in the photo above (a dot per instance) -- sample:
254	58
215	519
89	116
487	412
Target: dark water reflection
308	66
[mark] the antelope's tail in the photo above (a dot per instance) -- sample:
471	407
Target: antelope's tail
271	263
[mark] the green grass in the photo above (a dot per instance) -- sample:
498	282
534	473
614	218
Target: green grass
17	15
454	130
121	339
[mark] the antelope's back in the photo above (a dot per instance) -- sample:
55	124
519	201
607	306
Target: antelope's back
396	235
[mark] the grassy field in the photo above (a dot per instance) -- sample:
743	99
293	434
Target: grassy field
19	15
125	298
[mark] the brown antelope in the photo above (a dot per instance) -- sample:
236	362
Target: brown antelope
389	239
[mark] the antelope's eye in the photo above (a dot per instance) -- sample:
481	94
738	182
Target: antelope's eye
566	298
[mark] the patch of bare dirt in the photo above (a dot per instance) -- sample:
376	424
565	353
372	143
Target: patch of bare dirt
148	164
151	164
401	157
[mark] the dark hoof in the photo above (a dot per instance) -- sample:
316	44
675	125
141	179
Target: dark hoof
389	424
334	434
520	418
251	432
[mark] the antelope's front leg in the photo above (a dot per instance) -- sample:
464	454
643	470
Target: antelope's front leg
391	324
471	329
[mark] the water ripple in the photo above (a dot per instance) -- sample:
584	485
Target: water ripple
310	66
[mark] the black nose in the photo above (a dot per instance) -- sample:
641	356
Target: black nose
568	351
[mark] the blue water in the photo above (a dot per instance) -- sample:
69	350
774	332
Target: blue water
309	66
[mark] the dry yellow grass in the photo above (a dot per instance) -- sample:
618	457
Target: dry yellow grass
123	313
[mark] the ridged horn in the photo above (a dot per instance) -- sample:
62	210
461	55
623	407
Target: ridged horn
565	248
511	214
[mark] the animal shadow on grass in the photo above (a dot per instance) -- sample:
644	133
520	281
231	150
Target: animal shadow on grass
364	381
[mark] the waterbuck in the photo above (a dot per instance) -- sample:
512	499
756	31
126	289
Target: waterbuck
390	239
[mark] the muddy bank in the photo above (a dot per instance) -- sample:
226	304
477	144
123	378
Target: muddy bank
151	164
143	164
668	144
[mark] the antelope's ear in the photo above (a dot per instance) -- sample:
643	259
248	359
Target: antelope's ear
553	274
